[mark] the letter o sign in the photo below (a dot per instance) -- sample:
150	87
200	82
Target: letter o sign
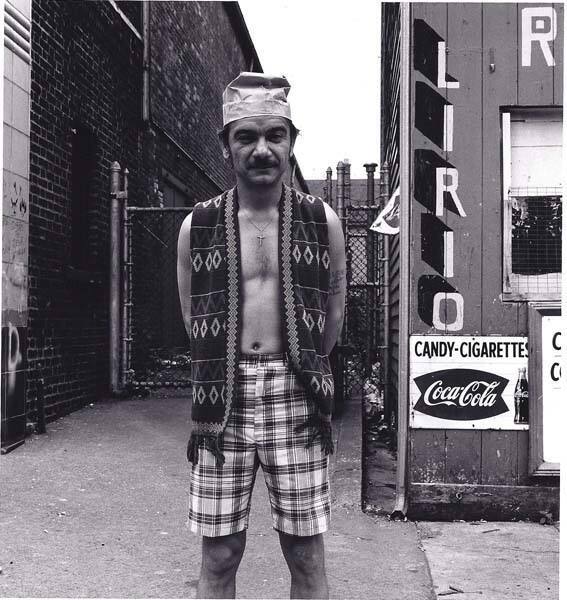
440	316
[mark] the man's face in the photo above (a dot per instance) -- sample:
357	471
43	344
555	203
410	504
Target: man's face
260	149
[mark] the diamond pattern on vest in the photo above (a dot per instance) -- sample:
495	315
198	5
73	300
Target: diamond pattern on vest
308	320
197	262
213	394
215	327
325	259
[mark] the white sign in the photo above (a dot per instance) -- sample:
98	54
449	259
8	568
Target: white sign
466	382
551	386
388	221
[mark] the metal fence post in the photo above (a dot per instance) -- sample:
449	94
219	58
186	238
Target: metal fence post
340	208
370	269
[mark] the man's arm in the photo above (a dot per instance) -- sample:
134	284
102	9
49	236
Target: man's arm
337	282
184	271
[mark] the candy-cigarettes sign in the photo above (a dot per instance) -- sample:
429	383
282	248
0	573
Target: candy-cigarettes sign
464	381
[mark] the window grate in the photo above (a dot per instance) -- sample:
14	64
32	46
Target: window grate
535	214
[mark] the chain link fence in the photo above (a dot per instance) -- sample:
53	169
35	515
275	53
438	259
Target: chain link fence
363	332
157	346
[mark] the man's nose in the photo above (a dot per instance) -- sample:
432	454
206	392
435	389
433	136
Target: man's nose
261	148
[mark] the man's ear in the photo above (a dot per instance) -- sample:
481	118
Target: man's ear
223	144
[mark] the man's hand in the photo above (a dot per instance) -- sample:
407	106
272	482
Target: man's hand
337	282
184	271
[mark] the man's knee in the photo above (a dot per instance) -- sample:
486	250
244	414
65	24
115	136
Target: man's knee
222	555
305	556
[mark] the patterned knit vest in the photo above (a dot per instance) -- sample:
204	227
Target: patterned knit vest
216	320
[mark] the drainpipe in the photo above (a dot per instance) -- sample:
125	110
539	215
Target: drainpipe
401	503
146	62
115	252
385	181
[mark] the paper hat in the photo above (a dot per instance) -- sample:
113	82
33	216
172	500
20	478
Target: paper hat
254	95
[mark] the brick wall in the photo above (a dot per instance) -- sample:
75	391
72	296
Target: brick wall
195	52
87	74
86	66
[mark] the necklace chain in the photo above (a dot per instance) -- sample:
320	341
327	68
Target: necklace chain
261	235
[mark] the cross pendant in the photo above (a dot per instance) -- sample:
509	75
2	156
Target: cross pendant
260	238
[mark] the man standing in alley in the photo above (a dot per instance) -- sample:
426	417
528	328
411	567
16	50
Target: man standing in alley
262	279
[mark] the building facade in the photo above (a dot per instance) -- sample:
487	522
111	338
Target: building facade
472	131
88	84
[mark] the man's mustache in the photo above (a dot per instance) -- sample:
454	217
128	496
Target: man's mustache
262	164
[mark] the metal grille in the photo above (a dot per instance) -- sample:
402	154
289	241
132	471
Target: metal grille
363	334
157	346
535	215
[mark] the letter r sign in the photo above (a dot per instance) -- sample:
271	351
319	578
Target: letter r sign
539	24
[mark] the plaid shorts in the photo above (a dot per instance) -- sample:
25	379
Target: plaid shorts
270	402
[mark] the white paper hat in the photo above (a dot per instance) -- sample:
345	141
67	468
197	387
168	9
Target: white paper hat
254	95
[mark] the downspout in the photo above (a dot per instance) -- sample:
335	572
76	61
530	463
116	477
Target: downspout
146	62
385	258
401	503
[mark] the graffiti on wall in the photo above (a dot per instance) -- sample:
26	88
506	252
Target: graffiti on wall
14	341
436	182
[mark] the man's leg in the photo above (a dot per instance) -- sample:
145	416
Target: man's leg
219	563
305	557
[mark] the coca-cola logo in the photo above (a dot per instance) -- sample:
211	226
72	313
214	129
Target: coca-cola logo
461	394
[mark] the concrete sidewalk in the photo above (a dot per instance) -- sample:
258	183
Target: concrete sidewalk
96	508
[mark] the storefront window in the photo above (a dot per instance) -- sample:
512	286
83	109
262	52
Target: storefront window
532	145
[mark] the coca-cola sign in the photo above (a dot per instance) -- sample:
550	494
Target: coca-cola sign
461	394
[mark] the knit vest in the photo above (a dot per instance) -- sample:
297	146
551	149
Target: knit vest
216	310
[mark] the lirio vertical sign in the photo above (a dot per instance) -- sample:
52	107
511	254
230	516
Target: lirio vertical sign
464	382
436	182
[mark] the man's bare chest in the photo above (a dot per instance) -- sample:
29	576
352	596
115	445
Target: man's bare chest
259	253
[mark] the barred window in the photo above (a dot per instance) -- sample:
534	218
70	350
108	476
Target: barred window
532	146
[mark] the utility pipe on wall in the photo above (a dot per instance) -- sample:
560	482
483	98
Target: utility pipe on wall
146	61
401	503
115	250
